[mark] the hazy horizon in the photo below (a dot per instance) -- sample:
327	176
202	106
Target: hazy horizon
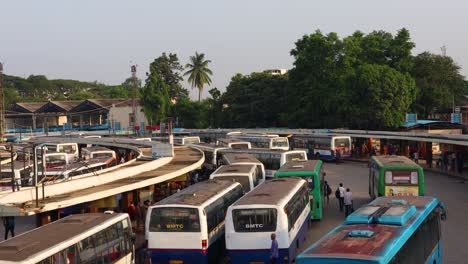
99	40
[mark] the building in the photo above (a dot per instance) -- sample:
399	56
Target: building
276	71
91	114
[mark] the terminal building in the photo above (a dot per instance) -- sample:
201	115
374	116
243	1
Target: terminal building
90	114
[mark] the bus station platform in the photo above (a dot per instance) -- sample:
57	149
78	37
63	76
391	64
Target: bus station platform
185	160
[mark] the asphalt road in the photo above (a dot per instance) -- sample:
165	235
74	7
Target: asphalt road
449	190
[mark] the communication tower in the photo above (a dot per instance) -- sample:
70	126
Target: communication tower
134	87
2	110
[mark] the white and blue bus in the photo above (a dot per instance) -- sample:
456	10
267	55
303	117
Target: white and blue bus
244	159
212	158
264	141
81	238
279	206
188	226
272	159
234	143
394	230
324	147
245	174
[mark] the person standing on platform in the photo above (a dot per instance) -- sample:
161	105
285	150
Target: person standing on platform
340	196
348	202
9	224
326	192
274	254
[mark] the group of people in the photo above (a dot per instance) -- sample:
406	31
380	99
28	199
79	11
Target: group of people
137	214
344	196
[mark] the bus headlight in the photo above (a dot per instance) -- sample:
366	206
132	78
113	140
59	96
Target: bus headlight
388	177
414	177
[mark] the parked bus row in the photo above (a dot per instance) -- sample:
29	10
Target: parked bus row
198	224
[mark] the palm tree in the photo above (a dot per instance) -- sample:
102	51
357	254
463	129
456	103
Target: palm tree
199	72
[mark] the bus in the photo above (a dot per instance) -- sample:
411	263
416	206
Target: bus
188	226
323	147
267	142
21	176
54	159
81	238
312	171
186	140
234	143
272	159
74	169
244	174
403	231
395	176
70	148
279	206
97	152
211	152
243	158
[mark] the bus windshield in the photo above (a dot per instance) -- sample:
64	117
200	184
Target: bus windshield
295	156
401	177
243	180
169	219
342	143
254	220
102	155
69	149
280	142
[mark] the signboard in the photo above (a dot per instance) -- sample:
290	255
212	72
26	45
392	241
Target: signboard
411	118
456	118
401	190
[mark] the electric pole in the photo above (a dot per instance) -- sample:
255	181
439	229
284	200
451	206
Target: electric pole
2	110
134	87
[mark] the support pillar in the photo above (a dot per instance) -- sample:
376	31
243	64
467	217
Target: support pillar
81	122
33	121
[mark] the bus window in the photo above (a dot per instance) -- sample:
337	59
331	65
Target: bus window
69	149
103	155
254	220
280	142
243	180
295	156
169	219
342	143
87	251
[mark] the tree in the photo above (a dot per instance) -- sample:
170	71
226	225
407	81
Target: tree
155	97
169	68
192	114
381	97
438	81
198	71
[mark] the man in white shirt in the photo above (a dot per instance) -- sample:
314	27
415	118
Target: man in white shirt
348	202
341	199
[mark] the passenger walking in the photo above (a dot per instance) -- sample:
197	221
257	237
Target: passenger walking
274	256
9	224
326	192
416	157
339	193
348	202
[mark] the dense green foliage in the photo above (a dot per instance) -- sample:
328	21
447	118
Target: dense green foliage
198	72
169	68
155	96
39	88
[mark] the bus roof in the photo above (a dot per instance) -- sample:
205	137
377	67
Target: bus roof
392	160
96	148
197	194
204	145
292	168
26	245
375	232
240	157
260	150
230	140
271	192
236	168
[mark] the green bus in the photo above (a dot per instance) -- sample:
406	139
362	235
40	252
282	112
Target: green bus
395	176
312	171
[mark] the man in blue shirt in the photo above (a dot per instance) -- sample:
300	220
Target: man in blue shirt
274	249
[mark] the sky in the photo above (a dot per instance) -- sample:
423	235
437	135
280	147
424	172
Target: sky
98	40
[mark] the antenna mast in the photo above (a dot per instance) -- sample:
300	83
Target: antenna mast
2	110
134	82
